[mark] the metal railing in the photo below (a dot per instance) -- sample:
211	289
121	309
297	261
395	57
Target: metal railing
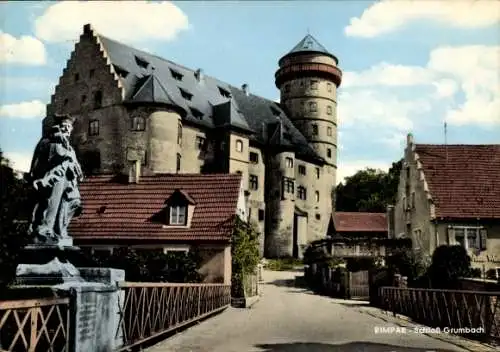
152	309
34	325
460	312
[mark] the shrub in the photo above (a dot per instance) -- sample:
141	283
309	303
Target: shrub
407	263
449	263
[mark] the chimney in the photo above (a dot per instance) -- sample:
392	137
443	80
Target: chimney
135	172
245	90
199	74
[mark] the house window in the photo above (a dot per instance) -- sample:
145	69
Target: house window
97	99
313	106
314	85
185	94
239	146
200	143
288	185
176	75
178	166
77	77
318	172
177	215
329	110
329	87
254	182
318	216
302	192
316	194
196	113
315	130
470	237
254	158
138	123
261	215
94	128
224	93
329	131
328	153
287	88
65	102
289	162
179	133
302	169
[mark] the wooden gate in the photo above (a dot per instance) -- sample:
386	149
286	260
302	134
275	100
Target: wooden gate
359	285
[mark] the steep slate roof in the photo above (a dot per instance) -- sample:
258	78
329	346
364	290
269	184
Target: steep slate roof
360	222
463	180
248	113
116	209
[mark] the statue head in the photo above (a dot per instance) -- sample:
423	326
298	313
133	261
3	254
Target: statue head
64	123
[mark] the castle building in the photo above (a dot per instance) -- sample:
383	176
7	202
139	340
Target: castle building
137	113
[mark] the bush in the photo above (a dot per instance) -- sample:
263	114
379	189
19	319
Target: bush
449	264
283	264
407	263
245	255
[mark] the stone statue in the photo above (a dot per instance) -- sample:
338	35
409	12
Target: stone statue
55	173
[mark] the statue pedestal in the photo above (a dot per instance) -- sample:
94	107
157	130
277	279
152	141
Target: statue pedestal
47	265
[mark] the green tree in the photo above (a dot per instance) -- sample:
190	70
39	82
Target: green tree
14	219
449	264
369	190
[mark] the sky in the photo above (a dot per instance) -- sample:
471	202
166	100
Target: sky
408	66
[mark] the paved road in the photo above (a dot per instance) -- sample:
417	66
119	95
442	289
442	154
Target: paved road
290	319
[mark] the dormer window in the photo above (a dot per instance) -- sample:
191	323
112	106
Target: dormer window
178	215
275	111
185	94
196	113
176	75
141	62
120	71
224	93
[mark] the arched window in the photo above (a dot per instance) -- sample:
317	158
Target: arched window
179	134
317	196
97	99
239	146
178	167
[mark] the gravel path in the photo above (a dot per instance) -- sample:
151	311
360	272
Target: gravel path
290	319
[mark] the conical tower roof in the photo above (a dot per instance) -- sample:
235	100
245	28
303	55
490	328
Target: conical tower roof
309	44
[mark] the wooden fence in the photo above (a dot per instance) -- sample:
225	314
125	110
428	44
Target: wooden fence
152	309
459	311
35	325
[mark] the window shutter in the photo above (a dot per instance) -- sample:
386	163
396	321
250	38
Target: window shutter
451	236
483	236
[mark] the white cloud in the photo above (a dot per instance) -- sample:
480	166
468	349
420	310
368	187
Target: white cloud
349	168
473	69
23	110
19	161
130	21
389	15
24	50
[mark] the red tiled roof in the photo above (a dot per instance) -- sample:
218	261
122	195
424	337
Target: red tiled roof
360	222
463	180
130	207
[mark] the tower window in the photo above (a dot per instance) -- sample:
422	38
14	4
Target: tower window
316	194
288	185
287	88
138	123
200	143
318	216
329	153
315	130
289	162
186	95
261	215
84	98
313	106
77	77
239	146
329	110
179	133
254	158
329	131
314	85
91	73
97	99
302	193
178	165
329	87
94	128
302	169
318	172
254	182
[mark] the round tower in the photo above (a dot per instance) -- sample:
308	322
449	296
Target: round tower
308	78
